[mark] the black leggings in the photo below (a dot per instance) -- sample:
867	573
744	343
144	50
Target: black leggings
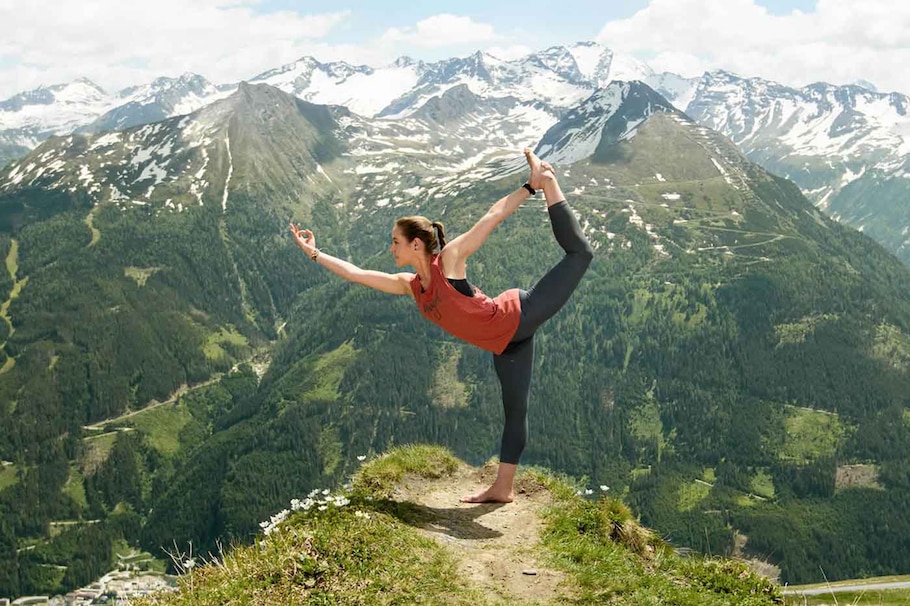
515	365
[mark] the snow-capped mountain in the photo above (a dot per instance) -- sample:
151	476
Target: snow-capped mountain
163	98
28	118
609	115
847	147
558	77
362	89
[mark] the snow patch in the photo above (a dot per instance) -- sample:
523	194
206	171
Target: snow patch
106	140
152	170
224	198
85	175
323	173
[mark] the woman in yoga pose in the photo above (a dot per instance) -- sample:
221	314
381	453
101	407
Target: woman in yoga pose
504	325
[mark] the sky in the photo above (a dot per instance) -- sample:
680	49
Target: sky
118	43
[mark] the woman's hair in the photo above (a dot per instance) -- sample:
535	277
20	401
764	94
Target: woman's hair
432	234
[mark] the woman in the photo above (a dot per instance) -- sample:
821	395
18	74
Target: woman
504	325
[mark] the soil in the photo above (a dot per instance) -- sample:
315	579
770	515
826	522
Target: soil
497	545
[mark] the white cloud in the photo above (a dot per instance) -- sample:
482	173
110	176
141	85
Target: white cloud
116	43
839	42
441	31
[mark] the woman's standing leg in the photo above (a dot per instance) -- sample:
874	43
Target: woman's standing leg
514	367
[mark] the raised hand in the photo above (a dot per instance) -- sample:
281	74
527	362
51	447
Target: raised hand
304	238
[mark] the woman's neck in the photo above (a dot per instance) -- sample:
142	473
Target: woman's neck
424	265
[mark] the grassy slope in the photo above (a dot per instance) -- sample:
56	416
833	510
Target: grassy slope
366	552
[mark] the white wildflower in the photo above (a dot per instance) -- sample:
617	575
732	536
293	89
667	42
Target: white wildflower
588	491
361	457
604	488
323	507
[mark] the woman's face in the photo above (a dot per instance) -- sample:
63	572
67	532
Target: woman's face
402	250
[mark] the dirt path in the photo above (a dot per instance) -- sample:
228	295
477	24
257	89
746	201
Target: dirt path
496	545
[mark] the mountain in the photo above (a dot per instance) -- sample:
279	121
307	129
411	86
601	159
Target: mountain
610	115
163	98
735	362
845	146
362	89
556	78
28	118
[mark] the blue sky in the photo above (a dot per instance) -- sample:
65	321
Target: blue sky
117	44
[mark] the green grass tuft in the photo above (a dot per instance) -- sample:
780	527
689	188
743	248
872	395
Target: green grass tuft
380	476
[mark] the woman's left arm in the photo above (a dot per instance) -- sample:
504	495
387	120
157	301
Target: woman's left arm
467	243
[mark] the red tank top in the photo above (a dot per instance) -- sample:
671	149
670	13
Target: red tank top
479	320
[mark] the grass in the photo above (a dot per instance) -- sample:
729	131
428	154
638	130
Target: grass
382	475
75	488
796	332
762	484
139	274
691	494
97	448
12	259
811	434
125	554
162	425
89	222
615	560
891	346
213	350
356	554
447	390
8	476
317	377
366	551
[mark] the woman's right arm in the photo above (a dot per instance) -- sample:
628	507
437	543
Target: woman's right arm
394	284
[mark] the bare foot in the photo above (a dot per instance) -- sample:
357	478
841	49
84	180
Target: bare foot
489	496
540	170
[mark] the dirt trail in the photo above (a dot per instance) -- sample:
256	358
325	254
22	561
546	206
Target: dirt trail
496	545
